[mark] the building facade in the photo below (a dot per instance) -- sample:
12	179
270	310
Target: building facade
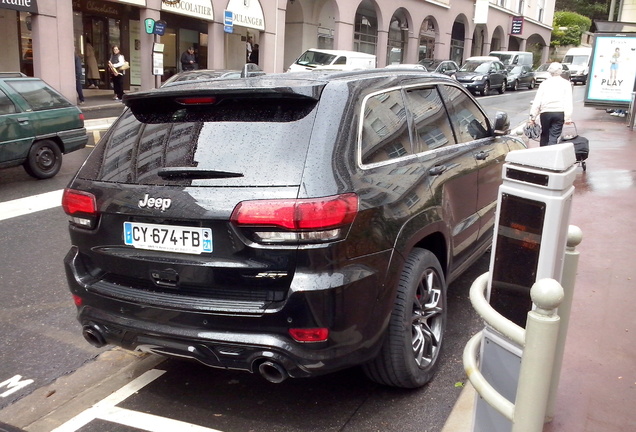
42	35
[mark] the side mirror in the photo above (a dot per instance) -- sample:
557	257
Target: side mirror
502	123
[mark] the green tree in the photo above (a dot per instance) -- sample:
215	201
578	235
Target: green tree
567	28
593	9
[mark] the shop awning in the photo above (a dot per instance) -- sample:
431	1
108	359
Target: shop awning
201	9
247	13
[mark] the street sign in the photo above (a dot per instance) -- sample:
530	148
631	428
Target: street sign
228	21
160	27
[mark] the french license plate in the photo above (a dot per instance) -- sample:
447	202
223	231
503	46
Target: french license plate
168	238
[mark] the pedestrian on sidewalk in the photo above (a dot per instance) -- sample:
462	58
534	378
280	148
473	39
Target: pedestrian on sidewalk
188	60
116	61
553	105
78	78
92	70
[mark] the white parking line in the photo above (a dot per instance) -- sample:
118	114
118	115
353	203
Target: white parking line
31	204
106	410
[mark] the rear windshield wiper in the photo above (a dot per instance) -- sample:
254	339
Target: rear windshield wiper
194	173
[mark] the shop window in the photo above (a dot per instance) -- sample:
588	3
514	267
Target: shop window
365	36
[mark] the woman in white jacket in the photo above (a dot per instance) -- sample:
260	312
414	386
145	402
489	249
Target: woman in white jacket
553	103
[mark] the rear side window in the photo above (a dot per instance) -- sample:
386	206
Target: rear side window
38	95
432	127
385	134
6	105
468	121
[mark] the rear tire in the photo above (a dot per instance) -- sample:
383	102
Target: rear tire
532	84
515	86
44	160
502	89
410	353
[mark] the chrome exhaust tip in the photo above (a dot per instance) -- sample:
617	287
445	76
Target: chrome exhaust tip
94	335
273	372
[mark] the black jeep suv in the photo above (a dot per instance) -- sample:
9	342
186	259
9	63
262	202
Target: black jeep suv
291	224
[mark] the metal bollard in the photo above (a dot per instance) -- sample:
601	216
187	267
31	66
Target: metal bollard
631	111
570	265
542	332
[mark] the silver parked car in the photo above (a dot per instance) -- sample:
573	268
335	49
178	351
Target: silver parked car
541	73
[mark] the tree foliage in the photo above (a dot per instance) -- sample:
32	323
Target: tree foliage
568	27
593	9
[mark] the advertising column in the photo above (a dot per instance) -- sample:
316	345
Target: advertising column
612	77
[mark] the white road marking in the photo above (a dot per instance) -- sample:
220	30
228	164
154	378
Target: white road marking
31	204
106	410
14	384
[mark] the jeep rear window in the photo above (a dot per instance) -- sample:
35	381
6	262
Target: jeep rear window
261	144
38	95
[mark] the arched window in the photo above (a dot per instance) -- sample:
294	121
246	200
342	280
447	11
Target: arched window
427	40
398	33
365	35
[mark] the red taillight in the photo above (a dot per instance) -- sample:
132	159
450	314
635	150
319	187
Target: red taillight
319	334
81	207
298	214
81	117
78	202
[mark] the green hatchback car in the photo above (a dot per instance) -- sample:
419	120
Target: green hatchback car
37	125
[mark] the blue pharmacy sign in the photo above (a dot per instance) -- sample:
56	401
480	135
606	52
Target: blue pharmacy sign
160	27
228	21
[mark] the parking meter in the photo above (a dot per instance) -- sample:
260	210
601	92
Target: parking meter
533	212
530	235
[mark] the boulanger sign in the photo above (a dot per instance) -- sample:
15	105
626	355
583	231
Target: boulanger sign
193	8
20	5
247	13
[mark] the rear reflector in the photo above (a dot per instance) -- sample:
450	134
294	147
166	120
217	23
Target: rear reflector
77	300
319	334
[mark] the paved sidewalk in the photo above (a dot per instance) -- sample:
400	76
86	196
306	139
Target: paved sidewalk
597	389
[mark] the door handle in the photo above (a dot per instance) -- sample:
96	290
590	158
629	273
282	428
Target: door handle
437	170
22	119
482	155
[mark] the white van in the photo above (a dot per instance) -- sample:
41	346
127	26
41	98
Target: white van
314	58
516	58
578	61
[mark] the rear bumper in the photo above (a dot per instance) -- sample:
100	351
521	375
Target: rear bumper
72	140
474	86
578	78
353	310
